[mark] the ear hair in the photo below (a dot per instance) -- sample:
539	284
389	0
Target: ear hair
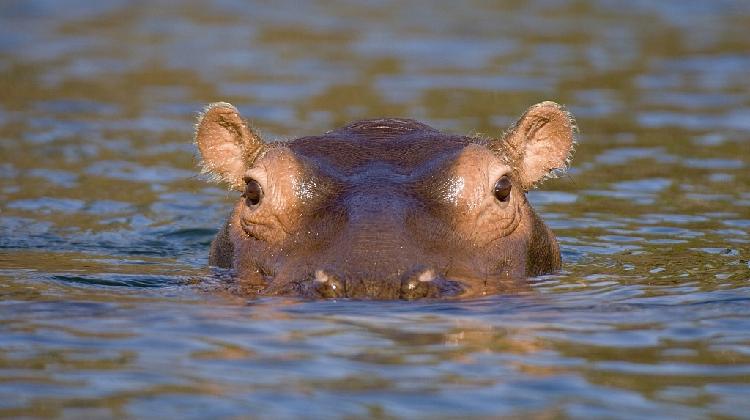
540	144
227	145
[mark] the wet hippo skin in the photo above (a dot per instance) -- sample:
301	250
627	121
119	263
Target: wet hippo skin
385	208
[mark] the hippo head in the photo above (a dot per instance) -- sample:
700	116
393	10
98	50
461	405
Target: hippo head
385	208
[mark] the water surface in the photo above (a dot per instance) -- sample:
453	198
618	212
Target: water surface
107	307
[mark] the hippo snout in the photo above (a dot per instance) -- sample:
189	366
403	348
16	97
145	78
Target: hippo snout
417	284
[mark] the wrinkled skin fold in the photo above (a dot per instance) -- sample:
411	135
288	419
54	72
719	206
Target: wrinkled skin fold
385	208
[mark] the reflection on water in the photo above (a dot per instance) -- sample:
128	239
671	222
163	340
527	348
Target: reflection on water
107	307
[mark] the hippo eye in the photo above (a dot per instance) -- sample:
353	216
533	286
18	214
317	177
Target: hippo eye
502	189
253	193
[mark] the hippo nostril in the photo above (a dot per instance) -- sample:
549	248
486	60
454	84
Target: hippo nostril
427	275
321	276
327	286
419	285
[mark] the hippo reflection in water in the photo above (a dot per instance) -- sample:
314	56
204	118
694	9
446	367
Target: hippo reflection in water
385	208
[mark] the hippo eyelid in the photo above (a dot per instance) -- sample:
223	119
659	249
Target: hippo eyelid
253	193
502	189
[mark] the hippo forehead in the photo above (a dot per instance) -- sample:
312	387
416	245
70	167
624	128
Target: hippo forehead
401	145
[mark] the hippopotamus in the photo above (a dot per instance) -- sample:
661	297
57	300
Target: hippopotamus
386	208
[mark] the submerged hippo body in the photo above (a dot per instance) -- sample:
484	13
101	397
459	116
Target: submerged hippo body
385	208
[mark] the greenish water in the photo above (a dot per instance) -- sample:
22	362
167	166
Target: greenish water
107	307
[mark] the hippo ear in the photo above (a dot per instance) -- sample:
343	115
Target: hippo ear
228	147
540	144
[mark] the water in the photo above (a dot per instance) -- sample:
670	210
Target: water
107	307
